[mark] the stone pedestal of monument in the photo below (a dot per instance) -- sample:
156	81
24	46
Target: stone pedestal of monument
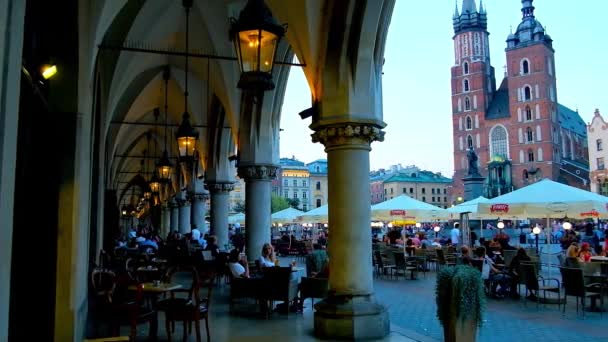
473	186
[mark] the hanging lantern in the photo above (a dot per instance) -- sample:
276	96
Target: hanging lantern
256	35
154	185
124	210
186	137
164	168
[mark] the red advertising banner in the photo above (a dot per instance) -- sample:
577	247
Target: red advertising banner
397	212
499	208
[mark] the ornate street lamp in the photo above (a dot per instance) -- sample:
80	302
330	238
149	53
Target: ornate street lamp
536	231
186	135
436	229
256	35
500	224
164	168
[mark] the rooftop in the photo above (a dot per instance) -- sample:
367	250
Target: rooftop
571	120
418	177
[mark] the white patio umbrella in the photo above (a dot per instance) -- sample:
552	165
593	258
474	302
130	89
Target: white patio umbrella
547	199
407	208
288	215
237	218
317	215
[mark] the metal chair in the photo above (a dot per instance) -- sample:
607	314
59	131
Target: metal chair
574	284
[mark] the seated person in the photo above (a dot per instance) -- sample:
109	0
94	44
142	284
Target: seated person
489	272
268	258
212	246
316	261
584	255
464	251
239	268
514	270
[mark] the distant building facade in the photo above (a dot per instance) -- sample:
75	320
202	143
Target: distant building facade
237	196
318	183
424	186
597	138
520	131
295	182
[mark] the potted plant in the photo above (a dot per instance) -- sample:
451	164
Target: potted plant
460	302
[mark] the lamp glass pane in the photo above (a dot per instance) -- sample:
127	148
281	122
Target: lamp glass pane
187	145
256	50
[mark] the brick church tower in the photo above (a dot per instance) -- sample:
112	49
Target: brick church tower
519	131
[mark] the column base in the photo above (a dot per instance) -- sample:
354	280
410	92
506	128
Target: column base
351	318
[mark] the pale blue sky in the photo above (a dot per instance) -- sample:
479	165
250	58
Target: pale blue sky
416	82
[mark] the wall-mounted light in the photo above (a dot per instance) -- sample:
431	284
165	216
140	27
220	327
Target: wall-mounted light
48	71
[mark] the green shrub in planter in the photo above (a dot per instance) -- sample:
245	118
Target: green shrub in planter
460	302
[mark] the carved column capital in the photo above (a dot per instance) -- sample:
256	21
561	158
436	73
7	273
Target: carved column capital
198	196
258	172
182	202
216	187
349	133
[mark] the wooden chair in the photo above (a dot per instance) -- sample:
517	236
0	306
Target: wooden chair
313	288
195	310
173	303
277	286
381	266
403	266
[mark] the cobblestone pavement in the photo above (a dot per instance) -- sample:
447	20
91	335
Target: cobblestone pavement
412	307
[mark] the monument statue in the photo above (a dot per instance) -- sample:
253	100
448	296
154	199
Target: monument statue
473	168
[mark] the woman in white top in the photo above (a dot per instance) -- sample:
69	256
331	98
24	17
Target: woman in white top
268	258
238	268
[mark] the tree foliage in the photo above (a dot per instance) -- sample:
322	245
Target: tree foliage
294	202
278	203
239	207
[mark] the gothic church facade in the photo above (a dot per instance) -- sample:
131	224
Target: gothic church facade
519	130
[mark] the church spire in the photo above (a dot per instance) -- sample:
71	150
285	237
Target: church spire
469	17
527	9
469	6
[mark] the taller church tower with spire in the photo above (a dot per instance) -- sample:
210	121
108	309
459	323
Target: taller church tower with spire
519	131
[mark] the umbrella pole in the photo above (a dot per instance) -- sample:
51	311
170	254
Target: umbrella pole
547	234
480	229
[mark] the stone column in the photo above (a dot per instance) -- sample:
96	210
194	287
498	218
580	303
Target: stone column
220	206
165	220
257	206
183	225
350	311
12	14
174	215
198	211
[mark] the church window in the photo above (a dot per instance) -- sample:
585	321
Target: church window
469	142
498	141
528	113
527	93
318	202
318	185
525	67
526	174
465	68
465	85
598	144
476	44
469	125
529	135
467	104
530	155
